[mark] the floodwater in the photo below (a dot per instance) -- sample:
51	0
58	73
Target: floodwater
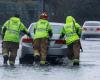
89	68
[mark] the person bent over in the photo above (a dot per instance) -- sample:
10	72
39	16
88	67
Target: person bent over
11	36
72	30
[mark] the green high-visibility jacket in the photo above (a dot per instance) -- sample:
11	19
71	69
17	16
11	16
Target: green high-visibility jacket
42	27
72	30
13	27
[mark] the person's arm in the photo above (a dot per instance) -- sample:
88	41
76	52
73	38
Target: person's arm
62	33
50	30
3	32
50	33
24	30
78	29
4	28
34	27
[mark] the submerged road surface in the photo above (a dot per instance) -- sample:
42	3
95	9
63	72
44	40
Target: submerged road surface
89	68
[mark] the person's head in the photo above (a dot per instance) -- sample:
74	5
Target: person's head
16	15
15	18
70	19
43	15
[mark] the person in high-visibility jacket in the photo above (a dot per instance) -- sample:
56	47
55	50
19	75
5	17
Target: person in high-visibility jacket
42	32
72	30
11	36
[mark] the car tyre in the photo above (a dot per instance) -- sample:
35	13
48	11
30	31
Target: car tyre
54	60
26	59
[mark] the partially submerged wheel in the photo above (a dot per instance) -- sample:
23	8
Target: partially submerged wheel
55	60
26	59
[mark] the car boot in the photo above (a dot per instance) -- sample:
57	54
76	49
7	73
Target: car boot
76	62
5	60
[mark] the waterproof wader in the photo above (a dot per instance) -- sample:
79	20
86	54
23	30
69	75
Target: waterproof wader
40	49
9	51
74	50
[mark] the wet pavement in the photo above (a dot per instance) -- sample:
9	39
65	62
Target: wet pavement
89	68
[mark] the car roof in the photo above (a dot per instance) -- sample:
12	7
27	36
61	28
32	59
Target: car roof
55	23
92	22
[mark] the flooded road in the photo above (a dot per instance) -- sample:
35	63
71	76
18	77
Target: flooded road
89	68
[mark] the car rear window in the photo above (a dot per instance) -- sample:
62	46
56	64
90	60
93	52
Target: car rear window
57	29
31	29
92	24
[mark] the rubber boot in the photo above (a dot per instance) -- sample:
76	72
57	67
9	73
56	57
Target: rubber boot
42	63
5	59
11	63
37	59
76	62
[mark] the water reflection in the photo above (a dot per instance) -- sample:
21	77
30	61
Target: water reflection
20	72
89	68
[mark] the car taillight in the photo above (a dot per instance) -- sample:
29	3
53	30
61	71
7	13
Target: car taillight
98	29
60	42
27	40
84	29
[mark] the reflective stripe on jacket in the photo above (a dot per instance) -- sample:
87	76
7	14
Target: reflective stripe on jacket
41	29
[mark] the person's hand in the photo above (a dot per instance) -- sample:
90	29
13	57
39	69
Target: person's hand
81	50
60	37
29	35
